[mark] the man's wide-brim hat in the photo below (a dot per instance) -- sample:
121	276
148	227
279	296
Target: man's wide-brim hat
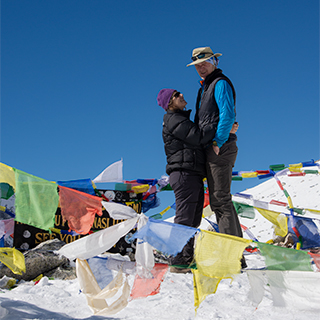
202	54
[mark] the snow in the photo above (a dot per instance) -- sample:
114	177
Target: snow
62	299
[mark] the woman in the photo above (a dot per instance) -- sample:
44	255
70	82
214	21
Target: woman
185	167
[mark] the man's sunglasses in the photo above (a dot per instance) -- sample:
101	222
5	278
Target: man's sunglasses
199	56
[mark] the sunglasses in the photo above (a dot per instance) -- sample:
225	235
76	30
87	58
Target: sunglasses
176	94
199	56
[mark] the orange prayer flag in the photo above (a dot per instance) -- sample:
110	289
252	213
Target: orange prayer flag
79	209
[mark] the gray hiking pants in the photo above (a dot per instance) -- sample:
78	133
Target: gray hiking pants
219	177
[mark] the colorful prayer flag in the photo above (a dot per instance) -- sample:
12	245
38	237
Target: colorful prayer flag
169	238
202	287
7	175
79	209
278	219
218	255
113	173
279	258
13	259
36	200
144	287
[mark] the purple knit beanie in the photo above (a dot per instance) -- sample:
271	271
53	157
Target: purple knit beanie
164	97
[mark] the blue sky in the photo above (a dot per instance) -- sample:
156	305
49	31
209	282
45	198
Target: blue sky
79	81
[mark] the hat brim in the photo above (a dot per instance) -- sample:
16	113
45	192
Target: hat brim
203	59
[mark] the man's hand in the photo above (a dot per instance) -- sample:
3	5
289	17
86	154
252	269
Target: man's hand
235	127
216	149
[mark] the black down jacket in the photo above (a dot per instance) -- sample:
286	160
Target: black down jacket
182	143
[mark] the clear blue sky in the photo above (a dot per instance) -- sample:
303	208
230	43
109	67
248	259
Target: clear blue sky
79	81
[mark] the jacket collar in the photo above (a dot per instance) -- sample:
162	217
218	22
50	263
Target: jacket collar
213	75
184	112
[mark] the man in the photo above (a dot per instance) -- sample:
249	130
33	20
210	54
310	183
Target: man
215	116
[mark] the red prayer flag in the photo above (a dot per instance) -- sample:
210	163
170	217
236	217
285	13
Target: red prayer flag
79	209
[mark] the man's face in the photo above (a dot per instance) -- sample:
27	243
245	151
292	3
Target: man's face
204	69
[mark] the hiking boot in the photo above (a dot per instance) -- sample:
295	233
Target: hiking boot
180	270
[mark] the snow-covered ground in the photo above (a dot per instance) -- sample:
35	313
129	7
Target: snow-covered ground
58	299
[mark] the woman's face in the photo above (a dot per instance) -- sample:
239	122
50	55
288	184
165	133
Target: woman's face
178	101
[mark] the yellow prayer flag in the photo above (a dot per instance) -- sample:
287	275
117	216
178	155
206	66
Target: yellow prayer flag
207	212
249	174
295	166
202	287
165	210
278	219
294	169
218	255
7	175
141	188
13	259
313	211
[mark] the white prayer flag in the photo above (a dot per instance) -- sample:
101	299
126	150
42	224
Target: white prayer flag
119	211
113	173
97	242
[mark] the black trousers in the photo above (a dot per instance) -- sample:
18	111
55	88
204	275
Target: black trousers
219	177
189	195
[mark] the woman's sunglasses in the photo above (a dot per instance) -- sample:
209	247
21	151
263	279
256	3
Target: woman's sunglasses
176	94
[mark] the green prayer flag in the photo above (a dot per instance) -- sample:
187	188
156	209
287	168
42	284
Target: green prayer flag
36	200
311	171
6	191
277	167
167	188
279	258
244	210
299	211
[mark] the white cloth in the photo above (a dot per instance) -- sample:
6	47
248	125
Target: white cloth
144	253
291	289
96	298
113	173
119	211
98	242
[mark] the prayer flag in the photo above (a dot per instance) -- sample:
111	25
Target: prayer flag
316	259
307	229
6	191
202	287
278	219
249	174
144	287
7	175
83	185
169	238
118	211
218	255
13	259
36	200
6	228
98	242
279	258
294	290
97	298
244	210
144	253
79	209
113	173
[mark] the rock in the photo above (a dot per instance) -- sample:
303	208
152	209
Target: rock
286	242
43	260
63	272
